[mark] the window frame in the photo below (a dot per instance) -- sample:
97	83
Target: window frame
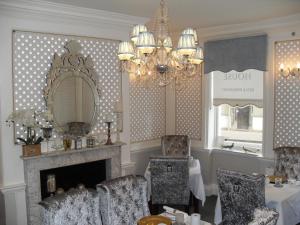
211	118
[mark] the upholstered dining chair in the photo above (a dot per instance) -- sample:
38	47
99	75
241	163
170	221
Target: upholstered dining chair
264	216
123	200
287	162
175	145
169	181
240	194
73	207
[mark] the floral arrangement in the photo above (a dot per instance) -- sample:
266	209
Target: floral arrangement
31	119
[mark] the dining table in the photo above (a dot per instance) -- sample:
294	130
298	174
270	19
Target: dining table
196	184
284	199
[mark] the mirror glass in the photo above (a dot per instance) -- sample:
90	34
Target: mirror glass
74	105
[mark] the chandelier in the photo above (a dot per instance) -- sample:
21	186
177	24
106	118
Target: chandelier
150	55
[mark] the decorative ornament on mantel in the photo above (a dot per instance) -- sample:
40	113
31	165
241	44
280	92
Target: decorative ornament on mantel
150	56
30	119
108	120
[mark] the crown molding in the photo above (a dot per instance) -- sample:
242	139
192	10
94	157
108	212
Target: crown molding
33	8
259	27
245	29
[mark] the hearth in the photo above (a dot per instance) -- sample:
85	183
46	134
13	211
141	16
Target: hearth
89	174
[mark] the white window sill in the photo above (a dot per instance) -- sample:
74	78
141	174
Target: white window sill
237	151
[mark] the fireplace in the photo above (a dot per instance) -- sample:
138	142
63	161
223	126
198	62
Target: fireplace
89	174
104	162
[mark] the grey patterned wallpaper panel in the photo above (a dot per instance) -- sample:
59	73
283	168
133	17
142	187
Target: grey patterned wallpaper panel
188	108
147	112
287	96
32	56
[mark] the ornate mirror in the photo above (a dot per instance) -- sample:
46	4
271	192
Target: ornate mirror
72	93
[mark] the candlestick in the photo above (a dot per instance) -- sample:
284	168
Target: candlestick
108	142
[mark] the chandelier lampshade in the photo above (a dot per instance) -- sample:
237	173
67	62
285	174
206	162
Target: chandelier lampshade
192	32
197	57
145	42
136	30
125	51
151	56
186	45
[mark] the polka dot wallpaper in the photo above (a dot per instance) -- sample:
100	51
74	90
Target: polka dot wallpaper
287	96
188	108
32	57
147	112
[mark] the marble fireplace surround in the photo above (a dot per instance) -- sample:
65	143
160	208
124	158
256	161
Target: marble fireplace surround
33	166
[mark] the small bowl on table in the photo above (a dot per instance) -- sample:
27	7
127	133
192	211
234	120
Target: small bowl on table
154	220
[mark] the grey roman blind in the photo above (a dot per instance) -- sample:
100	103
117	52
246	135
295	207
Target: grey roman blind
237	54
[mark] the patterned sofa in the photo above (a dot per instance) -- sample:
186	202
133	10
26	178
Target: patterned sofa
287	162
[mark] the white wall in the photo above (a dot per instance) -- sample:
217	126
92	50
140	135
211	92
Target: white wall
49	18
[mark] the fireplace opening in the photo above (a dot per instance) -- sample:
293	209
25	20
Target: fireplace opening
89	174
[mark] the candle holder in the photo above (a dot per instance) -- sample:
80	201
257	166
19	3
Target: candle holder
51	184
47	134
108	142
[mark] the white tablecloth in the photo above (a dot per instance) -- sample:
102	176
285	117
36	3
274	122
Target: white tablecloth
195	180
285	200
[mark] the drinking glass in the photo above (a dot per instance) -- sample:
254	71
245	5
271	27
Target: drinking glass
179	217
67	143
278	181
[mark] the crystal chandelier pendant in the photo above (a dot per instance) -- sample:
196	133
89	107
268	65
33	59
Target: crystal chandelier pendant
150	56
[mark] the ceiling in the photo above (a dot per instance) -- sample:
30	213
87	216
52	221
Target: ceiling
198	13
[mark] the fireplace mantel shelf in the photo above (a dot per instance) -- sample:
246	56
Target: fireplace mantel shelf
73	151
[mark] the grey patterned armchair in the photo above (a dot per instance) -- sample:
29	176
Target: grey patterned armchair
72	208
176	145
123	200
287	162
169	181
241	196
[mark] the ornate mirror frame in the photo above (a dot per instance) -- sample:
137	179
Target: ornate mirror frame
72	63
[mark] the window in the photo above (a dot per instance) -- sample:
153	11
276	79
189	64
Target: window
238	111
